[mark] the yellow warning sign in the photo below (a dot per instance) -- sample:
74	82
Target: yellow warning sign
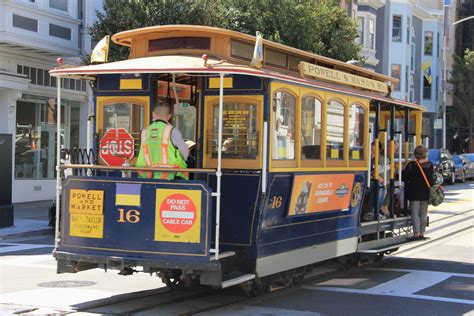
86	209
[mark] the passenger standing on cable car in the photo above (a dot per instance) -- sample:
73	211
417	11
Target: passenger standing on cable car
162	145
417	190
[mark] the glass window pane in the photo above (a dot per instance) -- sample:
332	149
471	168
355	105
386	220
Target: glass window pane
203	43
335	130
239	134
117	115
283	126
356	132
74	128
184	117
396	74
274	58
310	128
428	43
58	4
360	31
397	28
241	50
371	34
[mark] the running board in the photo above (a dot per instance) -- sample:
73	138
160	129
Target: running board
223	255
240	279
384	248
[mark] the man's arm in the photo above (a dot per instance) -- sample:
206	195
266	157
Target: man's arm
179	143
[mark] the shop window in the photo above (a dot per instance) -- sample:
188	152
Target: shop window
283	119
241	50
35	142
356	132
335	130
310	128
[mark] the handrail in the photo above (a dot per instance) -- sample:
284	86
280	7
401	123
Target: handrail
98	167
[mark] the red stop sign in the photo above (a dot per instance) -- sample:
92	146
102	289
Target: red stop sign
116	146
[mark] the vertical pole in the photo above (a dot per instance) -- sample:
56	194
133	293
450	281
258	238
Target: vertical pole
385	139
219	163
264	157
445	70
58	163
392	161
369	161
407	155
375	179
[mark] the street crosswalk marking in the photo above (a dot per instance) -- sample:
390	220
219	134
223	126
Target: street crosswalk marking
13	247
404	286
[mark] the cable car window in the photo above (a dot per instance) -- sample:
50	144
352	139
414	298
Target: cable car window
123	115
335	130
356	132
310	128
283	126
239	133
203	43
275	58
241	50
184	117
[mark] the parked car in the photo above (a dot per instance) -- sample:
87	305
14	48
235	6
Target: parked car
443	163
468	165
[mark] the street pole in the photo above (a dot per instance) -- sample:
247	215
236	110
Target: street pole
445	70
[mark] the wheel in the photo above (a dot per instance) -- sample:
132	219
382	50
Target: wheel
452	180
256	287
173	280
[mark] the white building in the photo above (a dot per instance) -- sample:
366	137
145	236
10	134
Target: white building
33	34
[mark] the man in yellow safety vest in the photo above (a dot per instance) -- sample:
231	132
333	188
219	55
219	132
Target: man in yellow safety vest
162	145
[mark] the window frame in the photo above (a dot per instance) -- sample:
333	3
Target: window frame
430	53
285	163
210	102
102	101
308	163
365	105
398	39
342	161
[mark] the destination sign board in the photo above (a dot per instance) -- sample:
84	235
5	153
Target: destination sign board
328	74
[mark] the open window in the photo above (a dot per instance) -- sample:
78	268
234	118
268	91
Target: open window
241	133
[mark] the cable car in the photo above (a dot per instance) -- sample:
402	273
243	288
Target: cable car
281	171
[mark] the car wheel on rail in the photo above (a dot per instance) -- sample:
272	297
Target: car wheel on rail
256	287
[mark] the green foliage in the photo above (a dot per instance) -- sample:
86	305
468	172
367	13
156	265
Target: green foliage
318	26
462	78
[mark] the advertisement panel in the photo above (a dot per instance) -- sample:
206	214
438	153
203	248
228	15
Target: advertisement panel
319	193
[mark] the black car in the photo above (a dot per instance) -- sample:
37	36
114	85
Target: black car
443	163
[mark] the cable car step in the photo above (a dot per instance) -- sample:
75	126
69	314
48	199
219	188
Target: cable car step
225	254
234	279
382	248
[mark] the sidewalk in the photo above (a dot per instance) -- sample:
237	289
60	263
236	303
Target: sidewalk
29	219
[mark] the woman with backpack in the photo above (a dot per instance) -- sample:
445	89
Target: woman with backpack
418	178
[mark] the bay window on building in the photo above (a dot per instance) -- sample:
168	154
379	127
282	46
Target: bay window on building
397	28
429	43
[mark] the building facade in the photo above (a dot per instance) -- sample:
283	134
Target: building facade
33	34
404	39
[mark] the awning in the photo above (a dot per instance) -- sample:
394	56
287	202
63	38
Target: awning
196	65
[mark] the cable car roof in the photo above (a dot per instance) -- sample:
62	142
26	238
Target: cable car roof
180	64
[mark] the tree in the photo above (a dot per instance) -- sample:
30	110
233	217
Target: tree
318	26
462	78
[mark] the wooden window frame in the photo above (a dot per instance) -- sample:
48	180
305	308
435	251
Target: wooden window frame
210	102
102	101
363	162
309	163
341	162
285	163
